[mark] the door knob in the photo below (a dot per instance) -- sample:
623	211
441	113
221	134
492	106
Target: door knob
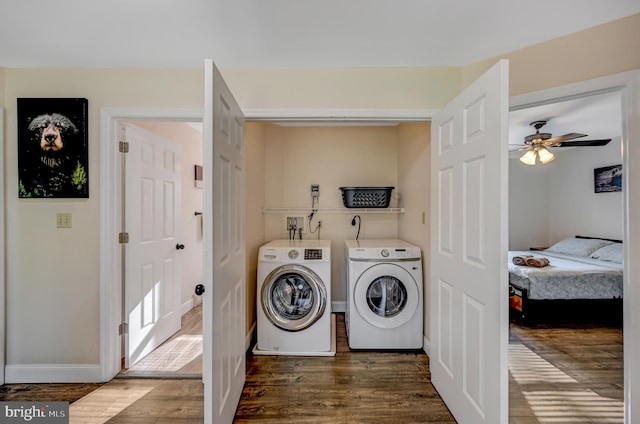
199	289
179	246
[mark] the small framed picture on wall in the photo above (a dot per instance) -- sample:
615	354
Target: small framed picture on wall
53	156
607	179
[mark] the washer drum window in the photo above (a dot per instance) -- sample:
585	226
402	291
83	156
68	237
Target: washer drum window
386	296
293	297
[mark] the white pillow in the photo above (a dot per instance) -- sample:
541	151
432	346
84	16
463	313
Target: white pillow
611	253
578	246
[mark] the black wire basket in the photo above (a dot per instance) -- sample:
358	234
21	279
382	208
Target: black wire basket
366	197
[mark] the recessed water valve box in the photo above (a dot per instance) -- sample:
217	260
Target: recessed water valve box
295	222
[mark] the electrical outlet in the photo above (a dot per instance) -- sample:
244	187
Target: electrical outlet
315	190
63	220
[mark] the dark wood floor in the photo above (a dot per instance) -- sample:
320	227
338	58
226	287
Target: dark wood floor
569	375
352	387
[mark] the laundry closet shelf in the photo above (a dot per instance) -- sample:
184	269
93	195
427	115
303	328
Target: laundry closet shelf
349	211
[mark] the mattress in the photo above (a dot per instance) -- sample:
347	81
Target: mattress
567	277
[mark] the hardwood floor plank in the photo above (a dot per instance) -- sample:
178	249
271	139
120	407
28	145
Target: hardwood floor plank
54	392
352	387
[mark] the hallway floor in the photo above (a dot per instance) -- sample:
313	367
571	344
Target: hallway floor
569	375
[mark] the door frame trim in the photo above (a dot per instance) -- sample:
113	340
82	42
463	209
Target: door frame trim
610	83
3	283
110	207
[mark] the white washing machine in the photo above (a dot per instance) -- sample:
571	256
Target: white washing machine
384	295
294	299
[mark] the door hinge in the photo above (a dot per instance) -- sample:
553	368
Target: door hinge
123	147
123	328
123	238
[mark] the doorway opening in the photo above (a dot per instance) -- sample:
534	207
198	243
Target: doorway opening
152	348
553	358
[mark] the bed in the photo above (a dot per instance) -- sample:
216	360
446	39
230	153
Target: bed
582	281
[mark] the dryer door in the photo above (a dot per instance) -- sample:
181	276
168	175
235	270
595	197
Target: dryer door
386	296
293	297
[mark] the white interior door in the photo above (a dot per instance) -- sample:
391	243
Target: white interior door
2	260
469	326
224	300
153	199
631	182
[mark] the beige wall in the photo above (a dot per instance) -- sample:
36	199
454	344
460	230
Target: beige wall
254	137
602	50
333	157
360	88
414	176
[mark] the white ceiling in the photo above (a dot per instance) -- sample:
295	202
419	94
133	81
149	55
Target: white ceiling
285	33
308	33
599	116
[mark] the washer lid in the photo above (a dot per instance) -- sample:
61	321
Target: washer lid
386	296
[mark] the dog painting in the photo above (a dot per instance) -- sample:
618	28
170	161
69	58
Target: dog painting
52	148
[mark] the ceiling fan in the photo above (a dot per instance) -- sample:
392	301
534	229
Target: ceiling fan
536	144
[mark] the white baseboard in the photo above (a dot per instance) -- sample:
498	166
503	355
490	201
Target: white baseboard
53	373
190	304
339	306
186	307
426	346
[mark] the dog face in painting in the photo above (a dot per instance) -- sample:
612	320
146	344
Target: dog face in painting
52	132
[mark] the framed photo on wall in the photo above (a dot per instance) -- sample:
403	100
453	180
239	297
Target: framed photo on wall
607	179
53	156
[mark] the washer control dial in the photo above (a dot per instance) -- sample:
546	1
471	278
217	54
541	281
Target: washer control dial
293	254
384	253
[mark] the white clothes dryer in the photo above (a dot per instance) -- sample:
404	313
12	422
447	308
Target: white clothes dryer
384	295
294	299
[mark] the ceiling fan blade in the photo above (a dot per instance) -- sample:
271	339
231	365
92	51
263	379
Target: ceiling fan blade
562	138
516	147
602	142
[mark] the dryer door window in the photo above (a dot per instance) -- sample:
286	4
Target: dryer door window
293	297
386	296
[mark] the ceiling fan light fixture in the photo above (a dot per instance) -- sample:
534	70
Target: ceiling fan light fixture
545	155
529	158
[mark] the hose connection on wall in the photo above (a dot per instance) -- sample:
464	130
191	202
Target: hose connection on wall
315	193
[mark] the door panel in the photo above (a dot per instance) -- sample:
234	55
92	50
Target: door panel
469	251
224	298
153	201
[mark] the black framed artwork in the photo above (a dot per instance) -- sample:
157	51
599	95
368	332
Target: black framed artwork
53	156
607	179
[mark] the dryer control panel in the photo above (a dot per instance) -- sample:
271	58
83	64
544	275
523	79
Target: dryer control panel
385	254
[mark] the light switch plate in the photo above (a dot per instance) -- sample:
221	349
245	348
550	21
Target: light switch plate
63	220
